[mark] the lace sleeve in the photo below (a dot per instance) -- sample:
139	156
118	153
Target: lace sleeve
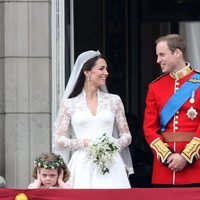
125	137
62	129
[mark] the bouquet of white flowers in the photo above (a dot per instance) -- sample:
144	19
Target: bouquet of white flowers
101	151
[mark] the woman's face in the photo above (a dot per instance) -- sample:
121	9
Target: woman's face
48	177
98	74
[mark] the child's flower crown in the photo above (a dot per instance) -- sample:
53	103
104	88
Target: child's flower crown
50	164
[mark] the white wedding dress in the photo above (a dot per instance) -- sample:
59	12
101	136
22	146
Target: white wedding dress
76	116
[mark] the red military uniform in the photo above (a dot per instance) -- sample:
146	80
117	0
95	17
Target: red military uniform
158	94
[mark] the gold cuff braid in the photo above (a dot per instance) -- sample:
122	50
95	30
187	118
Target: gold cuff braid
191	150
161	149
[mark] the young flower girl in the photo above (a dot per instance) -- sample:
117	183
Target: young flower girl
50	171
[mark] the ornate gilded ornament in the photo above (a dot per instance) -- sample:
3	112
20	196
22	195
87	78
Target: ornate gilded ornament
191	150
21	196
161	149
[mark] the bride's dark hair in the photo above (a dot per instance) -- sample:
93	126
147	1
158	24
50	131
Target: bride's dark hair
88	65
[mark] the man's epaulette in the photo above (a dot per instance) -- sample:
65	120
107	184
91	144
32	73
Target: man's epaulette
158	78
197	70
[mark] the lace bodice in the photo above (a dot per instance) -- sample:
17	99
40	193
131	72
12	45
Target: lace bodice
76	117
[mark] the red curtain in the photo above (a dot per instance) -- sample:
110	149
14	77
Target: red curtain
100	194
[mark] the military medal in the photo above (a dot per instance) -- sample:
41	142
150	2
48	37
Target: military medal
192	113
191	101
192	98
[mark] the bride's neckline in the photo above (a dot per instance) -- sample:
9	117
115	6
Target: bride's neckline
92	104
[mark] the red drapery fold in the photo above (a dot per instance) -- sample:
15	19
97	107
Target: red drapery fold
101	194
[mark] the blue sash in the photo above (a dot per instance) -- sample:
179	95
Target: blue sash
178	99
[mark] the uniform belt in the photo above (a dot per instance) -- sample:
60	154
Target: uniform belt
177	137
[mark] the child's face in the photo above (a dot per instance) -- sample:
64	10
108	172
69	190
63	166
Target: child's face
48	177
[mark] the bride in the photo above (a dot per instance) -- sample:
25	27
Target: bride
86	113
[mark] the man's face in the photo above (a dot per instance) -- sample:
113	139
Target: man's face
165	58
48	177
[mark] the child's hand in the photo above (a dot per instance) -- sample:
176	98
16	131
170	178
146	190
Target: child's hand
36	183
61	183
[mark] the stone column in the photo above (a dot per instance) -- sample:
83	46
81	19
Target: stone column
27	87
2	92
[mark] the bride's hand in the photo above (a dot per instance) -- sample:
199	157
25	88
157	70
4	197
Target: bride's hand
86	142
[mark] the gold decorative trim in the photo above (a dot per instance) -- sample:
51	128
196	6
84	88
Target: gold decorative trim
21	196
161	149
191	150
182	72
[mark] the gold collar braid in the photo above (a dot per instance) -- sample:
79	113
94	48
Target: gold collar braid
182	72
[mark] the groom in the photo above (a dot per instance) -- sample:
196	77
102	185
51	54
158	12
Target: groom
172	117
